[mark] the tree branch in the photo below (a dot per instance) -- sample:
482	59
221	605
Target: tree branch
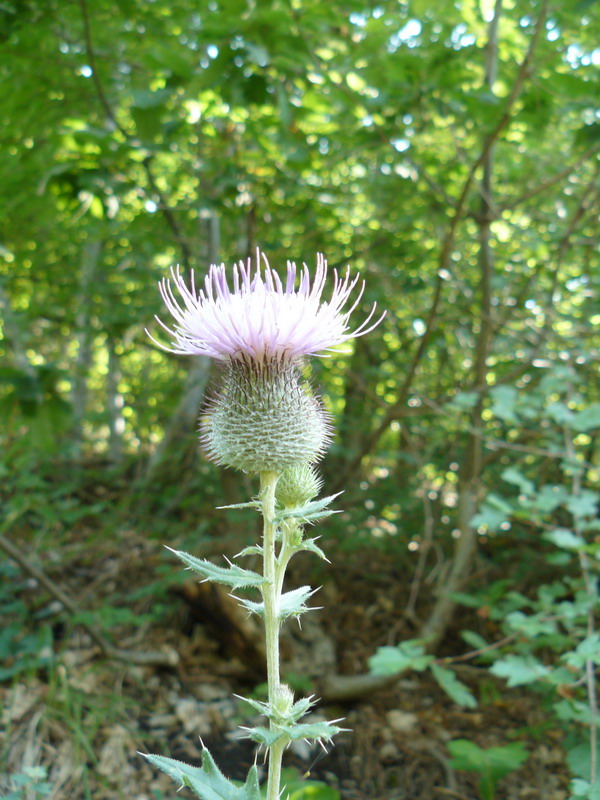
446	251
103	99
558	176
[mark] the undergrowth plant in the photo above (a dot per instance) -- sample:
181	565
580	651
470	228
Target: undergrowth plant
264	419
550	642
554	644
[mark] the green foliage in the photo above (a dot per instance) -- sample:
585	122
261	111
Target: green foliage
205	129
297	788
491	763
28	784
21	651
584	790
456	690
407	655
556	644
410	655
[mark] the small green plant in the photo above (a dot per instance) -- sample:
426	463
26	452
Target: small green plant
411	655
28	784
552	644
297	788
21	651
491	763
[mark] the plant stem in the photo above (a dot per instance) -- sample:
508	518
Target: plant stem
271	593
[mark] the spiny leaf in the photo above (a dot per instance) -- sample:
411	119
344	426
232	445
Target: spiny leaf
252	550
298	709
308	512
316	731
313	547
292	604
233	576
208	782
255	504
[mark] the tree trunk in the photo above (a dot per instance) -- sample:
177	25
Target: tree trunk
114	401
470	475
90	256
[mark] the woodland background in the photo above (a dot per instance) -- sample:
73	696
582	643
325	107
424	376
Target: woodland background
449	152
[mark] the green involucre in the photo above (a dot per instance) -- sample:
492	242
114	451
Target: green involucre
264	419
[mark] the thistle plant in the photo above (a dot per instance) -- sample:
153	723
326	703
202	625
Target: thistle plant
264	419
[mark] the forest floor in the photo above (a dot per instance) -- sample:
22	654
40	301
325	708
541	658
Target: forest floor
84	717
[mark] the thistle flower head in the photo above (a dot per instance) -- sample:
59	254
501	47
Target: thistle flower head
261	319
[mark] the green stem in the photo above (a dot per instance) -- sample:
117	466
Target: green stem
271	593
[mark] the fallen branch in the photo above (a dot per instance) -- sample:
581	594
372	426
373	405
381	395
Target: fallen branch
346	688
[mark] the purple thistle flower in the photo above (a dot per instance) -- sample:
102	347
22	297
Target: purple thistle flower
261	320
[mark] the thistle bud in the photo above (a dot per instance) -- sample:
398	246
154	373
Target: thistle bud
298	485
283	700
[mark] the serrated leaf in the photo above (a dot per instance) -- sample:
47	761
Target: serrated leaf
583	790
587	650
561	413
291	604
251	606
530	625
391	660
264	736
588	419
519	670
565	539
512	475
255	504
549	497
474	639
493	762
456	690
315	731
208	782
504	400
464	401
313	547
309	512
233	576
583	504
298	709
252	550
